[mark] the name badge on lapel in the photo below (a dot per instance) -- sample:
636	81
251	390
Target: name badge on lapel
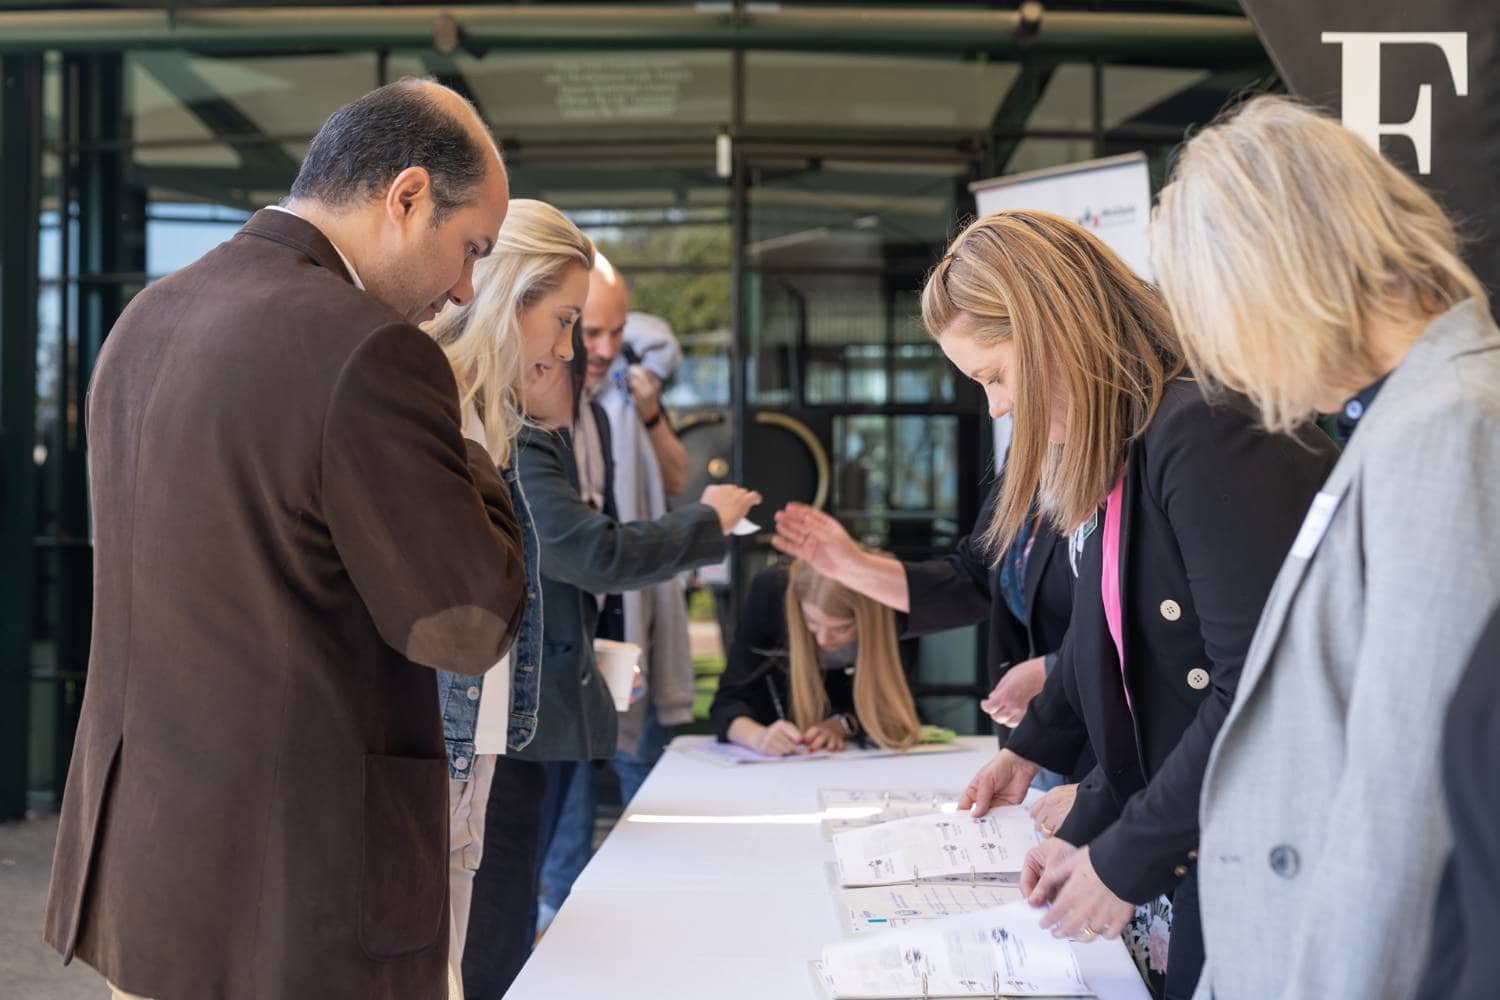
1315	525
1080	535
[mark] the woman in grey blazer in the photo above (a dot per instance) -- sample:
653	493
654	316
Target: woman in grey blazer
1301	269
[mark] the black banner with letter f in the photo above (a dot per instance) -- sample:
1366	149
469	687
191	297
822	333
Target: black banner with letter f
1419	80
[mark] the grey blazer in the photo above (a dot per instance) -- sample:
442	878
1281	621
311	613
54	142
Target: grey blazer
1323	828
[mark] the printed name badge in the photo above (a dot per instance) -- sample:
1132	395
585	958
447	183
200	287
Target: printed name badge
1315	525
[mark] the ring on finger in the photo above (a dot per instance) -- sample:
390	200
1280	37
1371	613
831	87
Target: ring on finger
1089	933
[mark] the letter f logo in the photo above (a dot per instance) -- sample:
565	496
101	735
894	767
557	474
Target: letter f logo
1361	84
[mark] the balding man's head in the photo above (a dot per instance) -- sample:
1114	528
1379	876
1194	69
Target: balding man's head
604	318
364	145
407	183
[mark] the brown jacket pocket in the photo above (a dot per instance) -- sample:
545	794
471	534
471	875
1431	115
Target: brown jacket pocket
403	894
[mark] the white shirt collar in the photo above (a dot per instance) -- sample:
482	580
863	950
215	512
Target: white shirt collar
348	266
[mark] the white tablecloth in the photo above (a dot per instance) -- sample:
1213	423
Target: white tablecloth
679	904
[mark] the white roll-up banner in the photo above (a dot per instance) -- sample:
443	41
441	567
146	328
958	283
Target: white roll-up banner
1111	198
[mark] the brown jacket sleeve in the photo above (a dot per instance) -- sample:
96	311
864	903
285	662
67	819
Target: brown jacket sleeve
420	517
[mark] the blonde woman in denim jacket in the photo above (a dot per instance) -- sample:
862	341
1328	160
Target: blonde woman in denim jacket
529	293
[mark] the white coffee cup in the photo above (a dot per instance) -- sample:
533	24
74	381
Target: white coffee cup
619	663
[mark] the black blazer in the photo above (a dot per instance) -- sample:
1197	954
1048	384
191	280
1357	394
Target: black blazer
963	588
586	552
1461	964
1210	507
757	674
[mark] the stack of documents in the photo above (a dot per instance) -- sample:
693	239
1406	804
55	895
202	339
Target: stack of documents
953	847
1001	952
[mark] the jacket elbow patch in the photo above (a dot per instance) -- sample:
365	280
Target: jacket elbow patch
465	639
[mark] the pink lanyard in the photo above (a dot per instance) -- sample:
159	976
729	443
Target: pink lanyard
1109	581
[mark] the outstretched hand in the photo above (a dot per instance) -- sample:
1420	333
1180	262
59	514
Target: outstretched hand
808	534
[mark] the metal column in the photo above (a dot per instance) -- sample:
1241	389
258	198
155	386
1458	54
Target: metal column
20	201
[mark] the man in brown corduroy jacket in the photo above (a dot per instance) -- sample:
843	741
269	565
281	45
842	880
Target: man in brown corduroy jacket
290	534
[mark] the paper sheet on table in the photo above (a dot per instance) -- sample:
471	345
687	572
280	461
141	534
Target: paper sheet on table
997	952
891	907
731	754
952	846
851	808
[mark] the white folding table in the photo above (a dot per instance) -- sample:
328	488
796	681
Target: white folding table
715	885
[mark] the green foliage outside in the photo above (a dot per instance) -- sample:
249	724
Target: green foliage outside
692	301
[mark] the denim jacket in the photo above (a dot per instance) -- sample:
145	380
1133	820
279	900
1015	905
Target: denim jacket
459	695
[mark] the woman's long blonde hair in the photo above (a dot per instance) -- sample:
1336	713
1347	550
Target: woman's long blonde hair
1089	334
1279	237
882	700
482	338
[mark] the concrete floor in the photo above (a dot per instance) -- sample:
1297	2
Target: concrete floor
29	970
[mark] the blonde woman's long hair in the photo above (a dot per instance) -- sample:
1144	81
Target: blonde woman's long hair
1280	235
1089	334
882	700
482	338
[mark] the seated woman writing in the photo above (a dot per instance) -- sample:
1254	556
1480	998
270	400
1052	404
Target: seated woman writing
813	665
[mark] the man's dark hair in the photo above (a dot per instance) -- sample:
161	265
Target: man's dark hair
363	146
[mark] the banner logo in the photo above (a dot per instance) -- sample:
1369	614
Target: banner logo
1360	84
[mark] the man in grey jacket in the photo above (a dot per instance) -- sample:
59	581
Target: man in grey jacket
650	465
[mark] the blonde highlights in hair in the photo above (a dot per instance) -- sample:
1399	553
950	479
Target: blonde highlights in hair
1279	237
882	700
482	338
1091	338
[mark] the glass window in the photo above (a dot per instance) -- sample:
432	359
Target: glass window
558	94
1132	92
1067	103
896	479
877	93
837	255
174	96
676	263
178	233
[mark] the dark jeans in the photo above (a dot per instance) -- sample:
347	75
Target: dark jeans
635	768
502	914
1185	952
570	844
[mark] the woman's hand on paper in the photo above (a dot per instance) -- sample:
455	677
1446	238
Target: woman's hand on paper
1051	856
826	735
1082	907
1051	809
1021	683
779	739
1001	782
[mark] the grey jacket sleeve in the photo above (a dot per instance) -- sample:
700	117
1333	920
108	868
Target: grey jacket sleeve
598	554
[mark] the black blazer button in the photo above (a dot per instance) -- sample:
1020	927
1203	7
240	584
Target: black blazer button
1284	861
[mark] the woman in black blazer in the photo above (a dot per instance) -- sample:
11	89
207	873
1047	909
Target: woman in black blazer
813	665
1179	512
